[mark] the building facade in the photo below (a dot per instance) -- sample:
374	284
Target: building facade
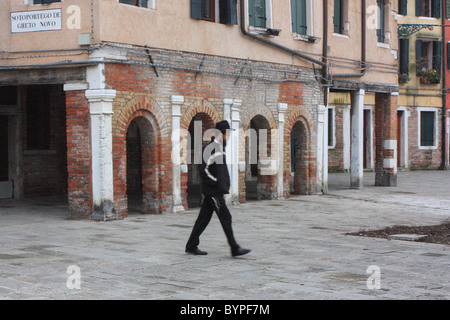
422	128
106	102
422	77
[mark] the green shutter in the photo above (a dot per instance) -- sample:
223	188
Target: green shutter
437	56
298	13
257	13
448	55
427	128
233	12
403	7
418	8
436	8
381	18
447	8
338	16
196	9
404	56
260	12
418	56
228	11
294	15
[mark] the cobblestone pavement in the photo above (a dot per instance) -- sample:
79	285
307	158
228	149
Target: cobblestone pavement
299	249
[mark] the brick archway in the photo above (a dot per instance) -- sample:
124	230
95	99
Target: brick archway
299	152
155	168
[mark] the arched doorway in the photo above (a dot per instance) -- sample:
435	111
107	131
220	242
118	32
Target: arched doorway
199	124
142	170
134	168
258	152
299	160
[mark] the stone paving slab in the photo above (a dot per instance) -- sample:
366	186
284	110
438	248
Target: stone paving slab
300	250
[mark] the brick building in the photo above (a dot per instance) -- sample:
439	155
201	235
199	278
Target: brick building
99	98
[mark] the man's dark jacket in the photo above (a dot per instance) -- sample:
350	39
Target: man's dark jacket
214	171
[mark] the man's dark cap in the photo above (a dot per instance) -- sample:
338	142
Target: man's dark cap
223	126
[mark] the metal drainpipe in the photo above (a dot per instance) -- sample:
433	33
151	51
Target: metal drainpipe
363	47
325	51
273	44
444	95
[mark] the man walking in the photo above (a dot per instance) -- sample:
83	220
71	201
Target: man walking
215	184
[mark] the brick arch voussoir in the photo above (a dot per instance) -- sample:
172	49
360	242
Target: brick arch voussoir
140	105
259	111
199	106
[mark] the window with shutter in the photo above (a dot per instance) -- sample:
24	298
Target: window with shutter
427	128
203	9
228	11
403	7
437	57
137	3
45	1
448	55
331	121
381	21
338	19
447	8
257	13
298	13
428	8
404	56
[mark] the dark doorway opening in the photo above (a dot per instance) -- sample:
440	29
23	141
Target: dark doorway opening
134	168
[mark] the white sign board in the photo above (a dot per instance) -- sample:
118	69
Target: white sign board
32	21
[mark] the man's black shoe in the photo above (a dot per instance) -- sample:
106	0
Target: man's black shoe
239	252
196	252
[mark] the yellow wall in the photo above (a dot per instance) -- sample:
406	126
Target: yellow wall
414	93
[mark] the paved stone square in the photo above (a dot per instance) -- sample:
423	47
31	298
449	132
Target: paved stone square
299	249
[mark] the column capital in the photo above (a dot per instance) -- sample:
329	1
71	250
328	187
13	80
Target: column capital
359	92
100	95
177	99
237	104
101	101
282	107
228	102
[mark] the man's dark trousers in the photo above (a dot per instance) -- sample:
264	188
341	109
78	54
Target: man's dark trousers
209	205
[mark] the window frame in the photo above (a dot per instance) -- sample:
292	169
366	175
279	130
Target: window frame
268	17
309	22
151	4
332	123
419	128
434	13
433	58
381	28
40	2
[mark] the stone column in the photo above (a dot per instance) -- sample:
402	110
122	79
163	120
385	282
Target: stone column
231	113
282	107
386	139
346	127
322	149
357	140
176	101
101	111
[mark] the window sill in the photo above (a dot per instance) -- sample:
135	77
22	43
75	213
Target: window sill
303	37
428	148
257	30
428	18
383	45
339	35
